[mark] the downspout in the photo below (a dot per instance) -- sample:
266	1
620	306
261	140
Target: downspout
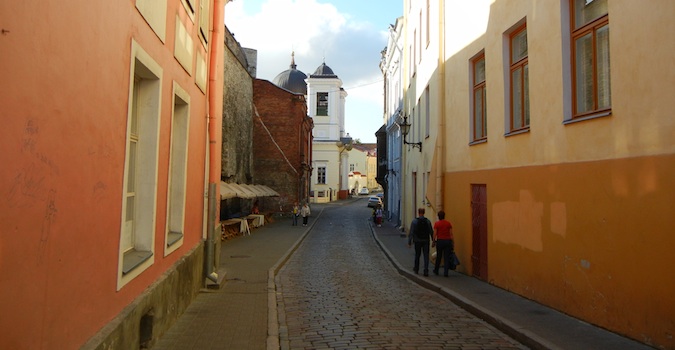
214	155
440	167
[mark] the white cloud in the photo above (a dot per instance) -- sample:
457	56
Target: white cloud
317	31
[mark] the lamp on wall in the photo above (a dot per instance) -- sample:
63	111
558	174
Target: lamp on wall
405	129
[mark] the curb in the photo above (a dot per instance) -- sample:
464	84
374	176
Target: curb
518	333
273	339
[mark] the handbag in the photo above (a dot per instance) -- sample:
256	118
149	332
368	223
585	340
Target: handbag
454	261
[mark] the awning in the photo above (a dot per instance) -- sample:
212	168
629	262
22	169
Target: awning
227	192
231	190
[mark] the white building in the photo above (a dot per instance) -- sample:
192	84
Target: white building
392	69
330	149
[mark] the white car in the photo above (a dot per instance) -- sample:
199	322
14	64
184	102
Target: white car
364	191
374	202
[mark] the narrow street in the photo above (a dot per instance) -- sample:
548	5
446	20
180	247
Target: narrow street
338	290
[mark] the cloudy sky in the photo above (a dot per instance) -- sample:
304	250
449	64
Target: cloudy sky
348	34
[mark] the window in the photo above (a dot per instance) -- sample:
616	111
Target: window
520	87
177	168
427	112
428	26
140	168
590	57
351	167
321	103
321	175
204	19
154	12
420	46
479	111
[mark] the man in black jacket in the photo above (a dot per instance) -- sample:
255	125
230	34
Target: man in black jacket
421	233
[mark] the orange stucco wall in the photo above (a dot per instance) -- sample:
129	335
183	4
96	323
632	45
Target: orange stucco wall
64	97
591	239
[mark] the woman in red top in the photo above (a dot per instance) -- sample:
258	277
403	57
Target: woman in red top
444	243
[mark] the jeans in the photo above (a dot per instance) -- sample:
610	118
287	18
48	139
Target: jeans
444	248
421	248
295	220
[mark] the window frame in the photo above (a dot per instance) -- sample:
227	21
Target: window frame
477	86
522	64
145	85
590	28
320	103
321	175
178	161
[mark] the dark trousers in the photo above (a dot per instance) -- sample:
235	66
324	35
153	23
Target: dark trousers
421	248
304	220
444	248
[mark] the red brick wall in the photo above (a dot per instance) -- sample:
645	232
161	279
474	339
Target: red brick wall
285	115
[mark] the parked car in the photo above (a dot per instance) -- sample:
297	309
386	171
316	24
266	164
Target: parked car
364	191
374	201
381	195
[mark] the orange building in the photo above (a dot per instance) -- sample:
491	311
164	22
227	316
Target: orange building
105	108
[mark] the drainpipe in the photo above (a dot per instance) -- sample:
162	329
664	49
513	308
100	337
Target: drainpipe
440	166
214	154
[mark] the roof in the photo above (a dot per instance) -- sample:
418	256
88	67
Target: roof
323	71
292	79
232	190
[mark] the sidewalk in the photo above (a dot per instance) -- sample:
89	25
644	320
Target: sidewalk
533	324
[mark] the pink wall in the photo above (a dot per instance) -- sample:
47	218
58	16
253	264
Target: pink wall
64	97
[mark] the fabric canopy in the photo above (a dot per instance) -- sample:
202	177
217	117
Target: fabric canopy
232	190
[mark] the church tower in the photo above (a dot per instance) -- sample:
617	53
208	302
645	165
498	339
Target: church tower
330	147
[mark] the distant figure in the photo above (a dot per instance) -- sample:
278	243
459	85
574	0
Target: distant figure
378	215
305	214
255	209
295	212
444	243
420	233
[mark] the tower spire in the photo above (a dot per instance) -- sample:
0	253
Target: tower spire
293	60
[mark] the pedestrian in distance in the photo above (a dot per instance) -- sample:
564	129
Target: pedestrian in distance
378	215
443	238
421	233
305	212
295	212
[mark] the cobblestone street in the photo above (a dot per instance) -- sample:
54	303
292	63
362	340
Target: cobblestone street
339	291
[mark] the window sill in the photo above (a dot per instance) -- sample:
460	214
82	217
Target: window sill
588	117
133	259
173	237
517	132
476	142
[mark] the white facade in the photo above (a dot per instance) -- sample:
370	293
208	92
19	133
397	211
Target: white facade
392	69
330	156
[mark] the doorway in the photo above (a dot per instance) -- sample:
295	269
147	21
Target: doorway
479	229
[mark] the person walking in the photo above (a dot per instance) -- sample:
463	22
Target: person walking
295	212
445	245
378	215
421	232
305	212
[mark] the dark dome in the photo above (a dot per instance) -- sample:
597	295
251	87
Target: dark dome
292	79
323	72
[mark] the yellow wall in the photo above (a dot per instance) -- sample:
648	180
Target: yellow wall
591	239
579	215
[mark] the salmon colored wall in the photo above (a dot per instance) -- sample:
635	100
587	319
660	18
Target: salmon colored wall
64	98
592	239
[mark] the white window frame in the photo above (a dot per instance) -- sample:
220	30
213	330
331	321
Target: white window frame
145	78
178	160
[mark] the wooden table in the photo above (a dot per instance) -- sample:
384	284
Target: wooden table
230	228
258	219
